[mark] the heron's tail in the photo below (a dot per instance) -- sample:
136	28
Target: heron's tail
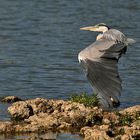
130	41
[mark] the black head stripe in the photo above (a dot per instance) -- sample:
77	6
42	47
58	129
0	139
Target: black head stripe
103	24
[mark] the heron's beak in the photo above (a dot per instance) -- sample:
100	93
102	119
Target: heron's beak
89	28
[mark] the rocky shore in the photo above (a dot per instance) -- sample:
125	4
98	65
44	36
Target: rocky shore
42	115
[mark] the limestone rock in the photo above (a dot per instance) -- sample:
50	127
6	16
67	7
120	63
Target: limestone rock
43	120
40	105
132	111
20	110
41	115
94	134
10	99
6	127
126	137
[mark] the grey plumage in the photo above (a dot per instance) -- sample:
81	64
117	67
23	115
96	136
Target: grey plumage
115	35
99	62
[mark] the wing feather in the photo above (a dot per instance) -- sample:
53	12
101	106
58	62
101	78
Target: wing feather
99	62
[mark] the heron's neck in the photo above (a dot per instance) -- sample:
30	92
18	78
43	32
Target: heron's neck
99	36
103	30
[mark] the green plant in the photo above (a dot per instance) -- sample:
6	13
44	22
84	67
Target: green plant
138	115
85	99
94	119
125	119
121	131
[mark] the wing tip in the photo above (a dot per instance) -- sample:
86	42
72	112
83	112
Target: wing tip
109	103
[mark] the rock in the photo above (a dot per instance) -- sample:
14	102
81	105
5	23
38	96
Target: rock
43	120
40	105
109	117
20	110
64	126
126	137
106	121
104	127
49	136
135	110
133	131
43	115
6	127
94	134
10	99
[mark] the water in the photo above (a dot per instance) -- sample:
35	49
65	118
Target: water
40	40
47	136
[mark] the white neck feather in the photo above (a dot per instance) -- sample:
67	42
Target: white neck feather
99	36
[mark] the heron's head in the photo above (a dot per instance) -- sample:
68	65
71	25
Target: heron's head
101	27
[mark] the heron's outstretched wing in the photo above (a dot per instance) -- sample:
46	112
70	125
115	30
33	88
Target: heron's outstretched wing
99	61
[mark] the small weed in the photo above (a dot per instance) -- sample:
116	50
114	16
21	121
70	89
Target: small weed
138	115
125	119
121	131
94	119
117	113
85	99
112	125
136	137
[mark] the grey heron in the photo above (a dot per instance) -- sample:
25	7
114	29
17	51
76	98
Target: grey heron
99	61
